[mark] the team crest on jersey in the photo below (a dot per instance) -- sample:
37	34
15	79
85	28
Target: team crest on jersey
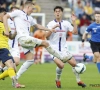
94	29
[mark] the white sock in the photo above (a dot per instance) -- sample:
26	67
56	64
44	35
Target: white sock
24	67
1	68
5	68
76	74
53	52
58	73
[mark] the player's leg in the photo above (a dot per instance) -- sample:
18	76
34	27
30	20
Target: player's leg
97	57
96	51
73	63
40	54
16	56
89	57
59	68
29	61
9	62
31	42
36	55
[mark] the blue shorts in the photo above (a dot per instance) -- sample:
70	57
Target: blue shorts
5	55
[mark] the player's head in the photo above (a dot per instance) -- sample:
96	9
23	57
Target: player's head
97	16
2	12
29	6
58	11
13	8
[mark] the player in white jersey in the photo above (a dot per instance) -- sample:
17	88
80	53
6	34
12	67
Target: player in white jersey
13	44
58	42
23	21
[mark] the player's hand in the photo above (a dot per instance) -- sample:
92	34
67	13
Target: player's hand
73	17
12	36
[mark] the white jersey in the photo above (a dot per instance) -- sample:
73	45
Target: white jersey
12	43
22	22
58	39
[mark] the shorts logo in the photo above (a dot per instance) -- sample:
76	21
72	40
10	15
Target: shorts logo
9	54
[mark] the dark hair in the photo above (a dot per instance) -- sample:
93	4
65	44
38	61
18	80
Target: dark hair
13	8
29	3
58	7
97	12
2	10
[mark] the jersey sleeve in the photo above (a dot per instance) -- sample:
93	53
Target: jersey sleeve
33	21
49	25
69	26
88	29
15	13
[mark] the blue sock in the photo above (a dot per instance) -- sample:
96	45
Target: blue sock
89	57
98	66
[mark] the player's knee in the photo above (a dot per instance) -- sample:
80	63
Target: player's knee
17	63
45	43
72	62
61	66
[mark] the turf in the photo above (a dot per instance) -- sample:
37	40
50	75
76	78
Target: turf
42	77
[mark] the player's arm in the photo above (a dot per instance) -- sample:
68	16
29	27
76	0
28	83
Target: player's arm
84	38
7	33
40	27
85	34
5	18
75	31
48	33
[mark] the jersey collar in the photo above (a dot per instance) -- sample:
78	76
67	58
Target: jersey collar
56	20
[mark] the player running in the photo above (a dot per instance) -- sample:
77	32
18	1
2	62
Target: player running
94	28
5	55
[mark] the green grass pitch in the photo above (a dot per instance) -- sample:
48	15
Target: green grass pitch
42	77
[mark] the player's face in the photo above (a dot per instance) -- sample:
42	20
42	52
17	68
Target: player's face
58	13
97	18
30	9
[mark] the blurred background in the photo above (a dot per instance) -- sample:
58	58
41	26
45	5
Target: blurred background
43	13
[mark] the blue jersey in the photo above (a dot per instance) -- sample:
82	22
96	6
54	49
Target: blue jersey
94	29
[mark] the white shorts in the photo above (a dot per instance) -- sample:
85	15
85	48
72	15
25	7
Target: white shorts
14	49
29	42
27	51
15	52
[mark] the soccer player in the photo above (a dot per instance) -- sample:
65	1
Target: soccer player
58	42
23	21
94	28
5	55
38	50
13	44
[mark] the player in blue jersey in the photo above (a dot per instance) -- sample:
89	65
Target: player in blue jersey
94	29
